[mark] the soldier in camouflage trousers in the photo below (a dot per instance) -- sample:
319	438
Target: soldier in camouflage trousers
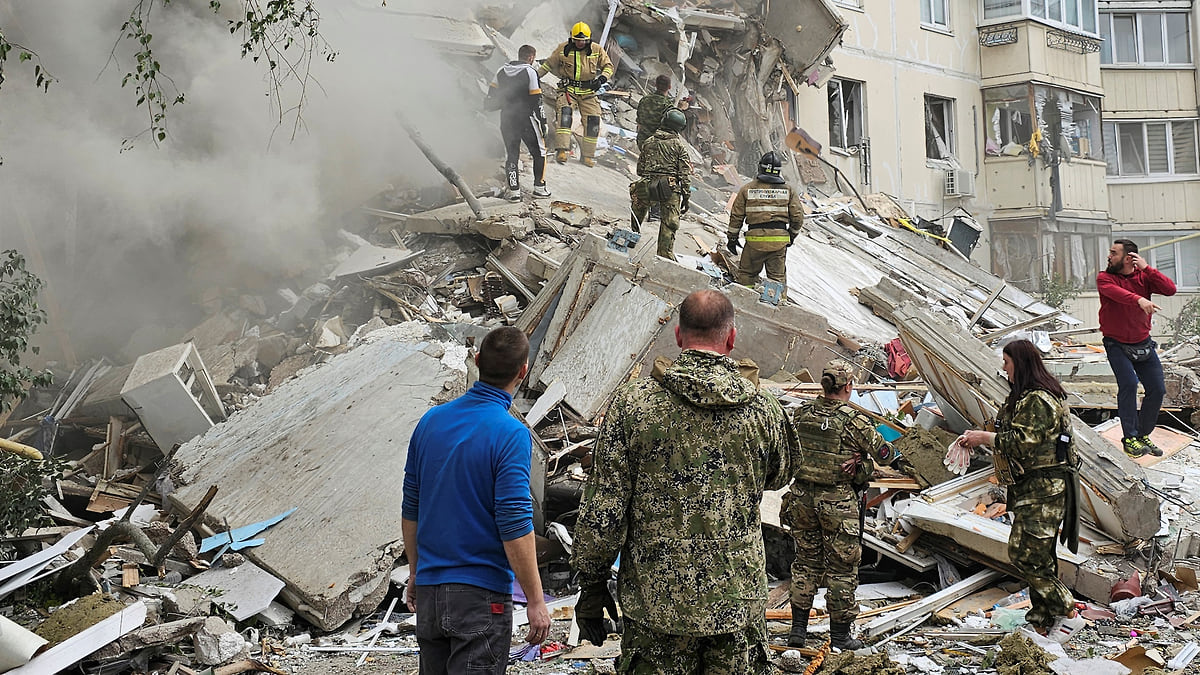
1033	432
652	108
838	450
680	467
666	173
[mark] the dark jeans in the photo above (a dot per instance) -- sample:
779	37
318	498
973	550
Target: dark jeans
1128	373
463	629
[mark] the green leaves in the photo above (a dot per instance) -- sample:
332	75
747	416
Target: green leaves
19	318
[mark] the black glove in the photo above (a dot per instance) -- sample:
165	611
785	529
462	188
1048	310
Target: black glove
594	599
732	245
791	238
597	83
685	203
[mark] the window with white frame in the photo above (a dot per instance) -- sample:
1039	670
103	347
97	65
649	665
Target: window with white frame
852	4
1145	38
935	13
1151	148
1077	15
939	127
1180	261
845	113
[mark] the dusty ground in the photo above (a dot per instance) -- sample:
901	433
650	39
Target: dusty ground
311	663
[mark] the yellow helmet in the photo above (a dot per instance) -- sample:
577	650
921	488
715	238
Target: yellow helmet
581	31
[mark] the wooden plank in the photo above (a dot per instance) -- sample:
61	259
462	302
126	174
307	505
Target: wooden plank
986	304
131	575
988	337
907	542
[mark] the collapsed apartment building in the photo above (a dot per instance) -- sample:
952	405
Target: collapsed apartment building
278	427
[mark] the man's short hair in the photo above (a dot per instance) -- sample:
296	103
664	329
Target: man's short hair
662	84
502	354
526	51
1127	245
706	315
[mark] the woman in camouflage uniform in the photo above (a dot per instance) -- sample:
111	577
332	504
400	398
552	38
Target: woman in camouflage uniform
1044	492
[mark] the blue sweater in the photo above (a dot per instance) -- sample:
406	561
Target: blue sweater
466	484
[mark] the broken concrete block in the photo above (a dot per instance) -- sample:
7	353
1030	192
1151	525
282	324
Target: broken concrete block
272	350
185	548
575	215
329	333
243	591
510	227
291	318
276	615
217	642
172	394
345	422
459	218
187	601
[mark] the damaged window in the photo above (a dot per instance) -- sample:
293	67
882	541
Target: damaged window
935	13
1010	120
845	113
1069	122
1153	148
1145	38
1180	261
939	127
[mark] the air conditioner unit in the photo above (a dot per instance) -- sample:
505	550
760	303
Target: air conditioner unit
959	183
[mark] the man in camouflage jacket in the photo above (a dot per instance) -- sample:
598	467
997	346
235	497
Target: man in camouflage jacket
666	173
679	471
652	108
838	450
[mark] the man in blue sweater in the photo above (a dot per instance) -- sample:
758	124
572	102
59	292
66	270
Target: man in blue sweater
467	518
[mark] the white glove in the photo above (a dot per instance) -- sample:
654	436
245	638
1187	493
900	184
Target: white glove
958	457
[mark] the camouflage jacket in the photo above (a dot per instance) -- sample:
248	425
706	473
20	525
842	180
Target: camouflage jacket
679	471
1028	435
831	433
664	155
650	113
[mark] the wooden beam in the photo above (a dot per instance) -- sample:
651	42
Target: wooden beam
986	304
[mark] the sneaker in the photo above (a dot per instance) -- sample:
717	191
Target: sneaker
588	161
512	195
1133	447
1151	448
541	191
562	156
1064	628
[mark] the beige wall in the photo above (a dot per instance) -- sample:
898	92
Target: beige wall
899	62
1146	93
1030	58
1013	184
1155	205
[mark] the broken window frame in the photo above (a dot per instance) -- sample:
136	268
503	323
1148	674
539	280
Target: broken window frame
1009	118
939	143
930	10
1137	24
1130	142
846	101
1079	16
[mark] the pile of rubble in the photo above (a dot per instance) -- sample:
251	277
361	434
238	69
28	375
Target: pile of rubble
231	502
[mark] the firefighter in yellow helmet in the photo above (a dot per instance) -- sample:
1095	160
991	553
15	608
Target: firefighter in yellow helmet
582	68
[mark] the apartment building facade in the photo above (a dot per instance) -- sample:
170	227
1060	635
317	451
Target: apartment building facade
1054	123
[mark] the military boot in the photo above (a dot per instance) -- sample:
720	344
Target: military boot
799	633
839	636
588	161
561	156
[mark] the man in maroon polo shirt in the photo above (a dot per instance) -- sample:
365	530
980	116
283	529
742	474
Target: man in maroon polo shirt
1125	310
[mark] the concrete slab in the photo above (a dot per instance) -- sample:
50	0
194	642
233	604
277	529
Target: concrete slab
332	442
370	259
607	344
243	591
459	218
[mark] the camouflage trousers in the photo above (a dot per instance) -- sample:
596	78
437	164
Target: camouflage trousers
752	262
668	222
824	523
1038	503
645	651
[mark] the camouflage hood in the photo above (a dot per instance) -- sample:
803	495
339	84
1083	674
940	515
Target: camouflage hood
709	380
